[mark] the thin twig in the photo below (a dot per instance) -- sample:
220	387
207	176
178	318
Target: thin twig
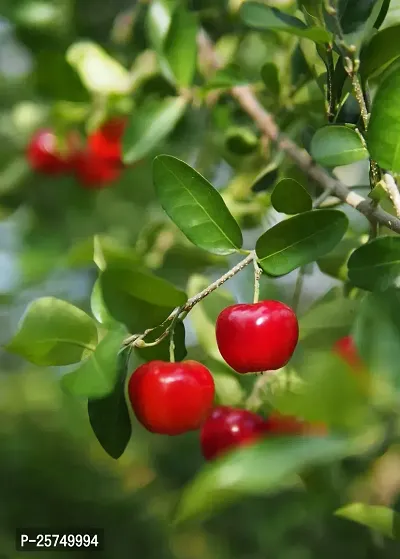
266	123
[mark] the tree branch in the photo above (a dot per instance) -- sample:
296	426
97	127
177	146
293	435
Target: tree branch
266	123
389	184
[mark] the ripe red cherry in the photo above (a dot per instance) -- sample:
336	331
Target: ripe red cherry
257	337
94	172
106	141
346	349
44	153
227	428
278	424
171	398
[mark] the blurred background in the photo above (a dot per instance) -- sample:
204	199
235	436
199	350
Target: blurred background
52	470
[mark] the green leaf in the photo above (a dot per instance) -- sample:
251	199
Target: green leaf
96	377
270	77
290	197
195	206
383	137
109	416
376	265
333	146
241	141
299	240
334	263
98	307
108	252
54	332
161	351
138	299
265	179
158	21
180	48
257	469
376	334
354	13
149	125
260	16
99	72
381	519
381	51
228	77
382	14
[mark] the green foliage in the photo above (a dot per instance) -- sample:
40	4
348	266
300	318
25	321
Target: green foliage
382	519
375	266
300	240
332	146
179	48
290	197
380	52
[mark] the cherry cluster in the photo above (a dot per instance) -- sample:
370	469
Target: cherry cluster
173	398
95	163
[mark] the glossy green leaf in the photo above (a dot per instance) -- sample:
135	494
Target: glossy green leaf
138	299
260	16
334	263
381	51
109	416
225	78
333	146
376	265
383	520
195	206
98	307
383	137
96	377
99	72
54	332
158	21
376	334
299	240
241	141
260	468
354	13
149	125
382	14
161	350
180	48
290	197
270	77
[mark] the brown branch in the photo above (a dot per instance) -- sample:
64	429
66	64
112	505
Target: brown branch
267	125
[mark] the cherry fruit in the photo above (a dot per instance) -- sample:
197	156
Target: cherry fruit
278	424
227	428
171	398
106	141
94	172
45	155
257	337
346	349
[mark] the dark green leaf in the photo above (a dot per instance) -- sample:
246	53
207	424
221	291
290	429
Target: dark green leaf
54	332
353	14
333	146
290	197
270	77
260	468
96	377
313	11
241	141
180	48
381	51
263	17
335	262
149	125
109	416
376	265
225	78
265	179
161	350
382	519
195	206
383	137
299	240
138	299
376	334
382	14
158	21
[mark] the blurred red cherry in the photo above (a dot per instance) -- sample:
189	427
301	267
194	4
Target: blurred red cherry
94	172
347	350
227	428
278	424
45	155
106	142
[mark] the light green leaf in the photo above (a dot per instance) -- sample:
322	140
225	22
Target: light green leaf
376	265
381	51
290	197
257	469
382	519
195	206
54	332
158	21
108	252
96	377
150	125
335	145
263	17
383	137
99	72
334	263
98	307
180	48
228	77
299	240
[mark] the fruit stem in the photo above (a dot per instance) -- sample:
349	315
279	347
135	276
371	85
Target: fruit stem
171	347
257	276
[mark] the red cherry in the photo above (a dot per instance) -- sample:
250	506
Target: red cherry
106	141
44	154
278	424
347	350
94	172
171	398
227	428
257	337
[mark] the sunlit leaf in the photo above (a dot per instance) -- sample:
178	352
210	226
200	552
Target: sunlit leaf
180	47
381	519
332	146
